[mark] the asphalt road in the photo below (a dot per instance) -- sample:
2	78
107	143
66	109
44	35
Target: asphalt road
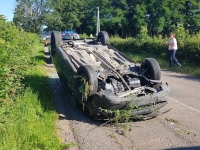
177	129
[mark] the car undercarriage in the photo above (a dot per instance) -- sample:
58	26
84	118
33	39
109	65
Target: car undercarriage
105	80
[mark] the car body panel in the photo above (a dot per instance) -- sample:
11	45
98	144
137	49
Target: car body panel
64	69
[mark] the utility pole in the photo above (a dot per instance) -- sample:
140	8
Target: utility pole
98	22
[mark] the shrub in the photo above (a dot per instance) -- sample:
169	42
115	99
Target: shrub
27	113
84	35
190	49
188	45
15	58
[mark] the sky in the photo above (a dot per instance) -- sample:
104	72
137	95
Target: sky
6	8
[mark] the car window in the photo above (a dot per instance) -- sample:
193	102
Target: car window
69	32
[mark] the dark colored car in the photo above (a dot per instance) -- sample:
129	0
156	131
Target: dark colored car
69	34
104	80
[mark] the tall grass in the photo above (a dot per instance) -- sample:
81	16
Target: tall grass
28	120
27	126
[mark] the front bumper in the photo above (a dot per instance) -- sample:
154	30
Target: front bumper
106	102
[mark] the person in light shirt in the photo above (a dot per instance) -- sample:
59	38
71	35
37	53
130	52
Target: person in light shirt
172	47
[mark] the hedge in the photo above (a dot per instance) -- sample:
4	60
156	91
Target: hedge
188	47
15	58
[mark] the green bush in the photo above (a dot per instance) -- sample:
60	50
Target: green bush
188	45
189	50
127	44
84	35
27	114
15	58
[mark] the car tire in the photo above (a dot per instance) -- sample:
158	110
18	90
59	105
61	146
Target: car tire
55	40
87	73
153	72
103	37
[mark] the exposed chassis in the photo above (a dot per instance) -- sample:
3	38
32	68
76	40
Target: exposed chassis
147	106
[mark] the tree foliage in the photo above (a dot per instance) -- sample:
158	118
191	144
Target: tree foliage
127	17
29	14
64	14
122	17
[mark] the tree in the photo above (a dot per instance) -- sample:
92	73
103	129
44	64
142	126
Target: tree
122	17
112	16
64	14
29	14
192	15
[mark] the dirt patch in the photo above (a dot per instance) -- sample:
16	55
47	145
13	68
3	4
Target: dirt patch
63	124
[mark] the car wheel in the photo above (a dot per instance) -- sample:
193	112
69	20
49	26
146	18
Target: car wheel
152	69
86	83
103	37
55	40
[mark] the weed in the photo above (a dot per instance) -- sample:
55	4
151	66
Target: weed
112	136
188	132
172	120
122	117
71	144
84	87
173	145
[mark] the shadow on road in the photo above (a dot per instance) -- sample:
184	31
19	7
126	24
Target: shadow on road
176	75
185	148
66	106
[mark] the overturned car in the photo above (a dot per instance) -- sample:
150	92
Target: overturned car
104	80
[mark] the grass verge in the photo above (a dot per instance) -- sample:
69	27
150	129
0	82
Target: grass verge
28	122
187	68
138	50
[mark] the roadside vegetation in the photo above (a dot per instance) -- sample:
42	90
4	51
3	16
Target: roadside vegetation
148	23
27	114
144	46
122	17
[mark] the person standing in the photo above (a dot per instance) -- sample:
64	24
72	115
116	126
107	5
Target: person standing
172	47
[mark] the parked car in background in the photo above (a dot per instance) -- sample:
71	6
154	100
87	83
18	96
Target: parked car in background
69	34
